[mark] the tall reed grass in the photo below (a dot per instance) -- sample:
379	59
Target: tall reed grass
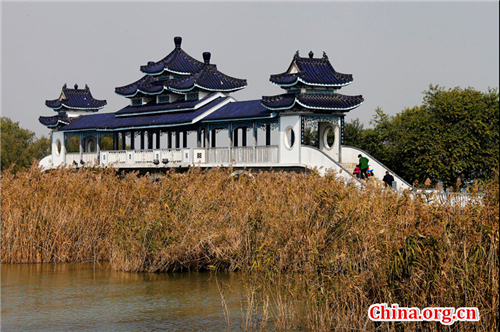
315	252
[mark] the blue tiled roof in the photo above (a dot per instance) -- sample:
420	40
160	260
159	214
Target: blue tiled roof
320	101
152	106
55	121
239	110
312	71
209	78
147	85
76	99
177	62
109	121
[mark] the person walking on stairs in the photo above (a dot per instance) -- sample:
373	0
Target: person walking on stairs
363	165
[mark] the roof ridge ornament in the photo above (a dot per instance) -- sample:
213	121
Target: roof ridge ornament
325	56
311	54
206	57
76	86
65	86
178	42
86	87
297	54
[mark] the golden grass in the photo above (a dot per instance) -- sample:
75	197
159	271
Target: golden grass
315	253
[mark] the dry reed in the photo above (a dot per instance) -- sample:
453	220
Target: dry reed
315	253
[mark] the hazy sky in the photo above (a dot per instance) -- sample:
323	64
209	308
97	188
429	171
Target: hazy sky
394	50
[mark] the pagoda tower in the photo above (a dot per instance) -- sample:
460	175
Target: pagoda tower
70	104
312	86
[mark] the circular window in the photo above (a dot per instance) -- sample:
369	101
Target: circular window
289	138
58	147
328	138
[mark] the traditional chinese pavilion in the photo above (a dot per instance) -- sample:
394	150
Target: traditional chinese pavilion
181	113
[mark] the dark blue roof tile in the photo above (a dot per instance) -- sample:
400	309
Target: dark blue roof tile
108	121
55	121
239	110
314	101
76	99
177	62
209	78
147	85
312	71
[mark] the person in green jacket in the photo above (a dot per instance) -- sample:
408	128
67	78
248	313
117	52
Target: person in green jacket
363	164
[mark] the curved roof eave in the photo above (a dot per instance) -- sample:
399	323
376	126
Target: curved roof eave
207	89
280	108
146	93
309	83
329	108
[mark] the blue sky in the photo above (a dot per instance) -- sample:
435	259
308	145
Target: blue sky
393	49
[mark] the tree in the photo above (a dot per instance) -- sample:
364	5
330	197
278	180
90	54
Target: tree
353	132
454	133
19	146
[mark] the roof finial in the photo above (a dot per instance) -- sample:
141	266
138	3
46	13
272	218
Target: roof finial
76	86
297	54
311	54
324	55
178	42
206	57
65	86
86	87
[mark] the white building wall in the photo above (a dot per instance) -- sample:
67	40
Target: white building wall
287	153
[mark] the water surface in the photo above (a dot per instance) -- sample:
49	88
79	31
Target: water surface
92	297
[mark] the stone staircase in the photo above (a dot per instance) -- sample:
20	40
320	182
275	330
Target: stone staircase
349	166
374	181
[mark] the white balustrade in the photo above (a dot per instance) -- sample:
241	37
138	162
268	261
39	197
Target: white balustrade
117	157
71	158
266	154
89	158
242	154
218	155
174	156
143	156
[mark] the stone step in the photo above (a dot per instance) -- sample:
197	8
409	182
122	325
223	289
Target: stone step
349	166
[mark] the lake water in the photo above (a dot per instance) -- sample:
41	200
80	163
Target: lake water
92	297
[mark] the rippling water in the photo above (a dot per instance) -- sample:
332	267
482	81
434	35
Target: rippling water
92	297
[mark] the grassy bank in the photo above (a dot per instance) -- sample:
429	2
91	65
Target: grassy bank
316	250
